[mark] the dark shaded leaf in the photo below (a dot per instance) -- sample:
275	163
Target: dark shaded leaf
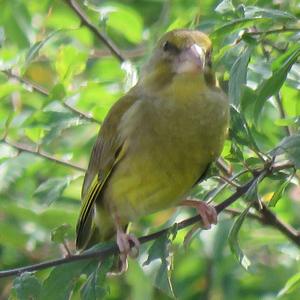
27	286
60	282
239	129
160	250
95	287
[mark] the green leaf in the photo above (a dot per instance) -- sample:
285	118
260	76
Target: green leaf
35	48
13	168
291	147
160	250
224	7
34	134
271	86
50	190
238	76
62	279
70	61
239	129
27	286
95	287
124	19
261	12
278	194
292	284
251	195
54	122
236	25
61	233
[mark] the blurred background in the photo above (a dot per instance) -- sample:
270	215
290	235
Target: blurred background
57	82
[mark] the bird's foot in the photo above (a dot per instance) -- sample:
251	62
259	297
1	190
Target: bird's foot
124	242
207	212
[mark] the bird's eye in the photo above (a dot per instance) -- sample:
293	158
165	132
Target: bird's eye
169	47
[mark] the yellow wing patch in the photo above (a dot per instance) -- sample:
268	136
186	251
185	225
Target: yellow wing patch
85	221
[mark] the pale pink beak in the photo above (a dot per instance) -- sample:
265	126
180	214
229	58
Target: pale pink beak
191	60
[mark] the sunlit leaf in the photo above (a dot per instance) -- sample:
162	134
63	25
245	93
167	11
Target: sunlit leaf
292	284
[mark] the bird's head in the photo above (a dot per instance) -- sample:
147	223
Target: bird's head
179	52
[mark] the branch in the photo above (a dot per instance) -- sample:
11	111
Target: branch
40	89
270	218
102	254
102	37
38	152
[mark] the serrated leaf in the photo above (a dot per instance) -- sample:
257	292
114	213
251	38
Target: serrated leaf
61	233
50	190
27	286
291	147
238	76
271	86
35	48
290	286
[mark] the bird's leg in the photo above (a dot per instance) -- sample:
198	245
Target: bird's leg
123	241
207	212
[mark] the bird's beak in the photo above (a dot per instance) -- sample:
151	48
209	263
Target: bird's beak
191	60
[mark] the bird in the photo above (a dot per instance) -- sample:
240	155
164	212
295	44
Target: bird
156	142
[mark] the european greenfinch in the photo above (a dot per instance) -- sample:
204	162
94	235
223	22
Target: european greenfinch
156	142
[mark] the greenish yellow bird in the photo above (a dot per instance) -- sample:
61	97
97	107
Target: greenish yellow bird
156	142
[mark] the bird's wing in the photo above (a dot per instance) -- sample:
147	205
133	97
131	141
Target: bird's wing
107	152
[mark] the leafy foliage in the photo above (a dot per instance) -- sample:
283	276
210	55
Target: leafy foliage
58	80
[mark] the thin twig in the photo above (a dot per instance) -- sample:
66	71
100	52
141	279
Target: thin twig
101	36
38	152
270	219
40	89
